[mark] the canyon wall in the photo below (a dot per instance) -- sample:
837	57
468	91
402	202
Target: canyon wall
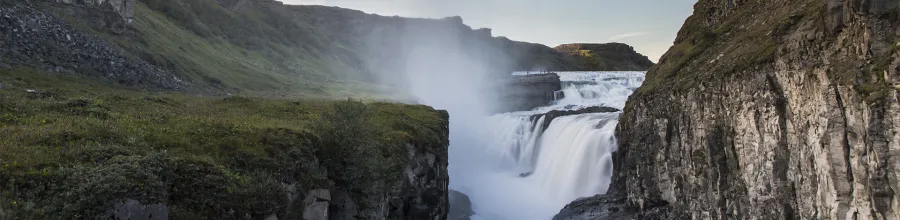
765	110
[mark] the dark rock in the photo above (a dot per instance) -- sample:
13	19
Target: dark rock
130	209
433	196
610	207
420	212
522	93
551	115
460	206
316	204
343	207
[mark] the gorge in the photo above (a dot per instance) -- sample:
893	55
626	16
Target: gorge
763	110
254	109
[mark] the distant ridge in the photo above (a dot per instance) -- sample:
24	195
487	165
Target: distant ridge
606	57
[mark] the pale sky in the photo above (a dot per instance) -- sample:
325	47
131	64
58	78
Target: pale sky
648	25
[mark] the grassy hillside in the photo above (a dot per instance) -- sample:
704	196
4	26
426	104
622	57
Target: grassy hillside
73	146
606	57
264	48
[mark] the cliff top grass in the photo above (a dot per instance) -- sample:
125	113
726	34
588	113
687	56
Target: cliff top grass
72	145
730	43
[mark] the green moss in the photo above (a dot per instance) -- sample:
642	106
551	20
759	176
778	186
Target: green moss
72	147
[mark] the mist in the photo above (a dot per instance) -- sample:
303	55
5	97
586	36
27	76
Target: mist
447	65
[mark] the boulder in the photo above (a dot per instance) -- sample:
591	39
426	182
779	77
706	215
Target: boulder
131	209
316	204
460	206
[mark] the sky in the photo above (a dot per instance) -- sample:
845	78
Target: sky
648	25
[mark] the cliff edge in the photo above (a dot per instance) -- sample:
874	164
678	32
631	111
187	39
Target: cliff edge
765	110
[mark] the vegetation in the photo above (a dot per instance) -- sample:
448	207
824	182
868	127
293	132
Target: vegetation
606	57
74	146
736	38
267	49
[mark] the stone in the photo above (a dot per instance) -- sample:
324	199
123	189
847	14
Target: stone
316	211
30	36
316	204
549	116
319	195
343	207
130	209
460	206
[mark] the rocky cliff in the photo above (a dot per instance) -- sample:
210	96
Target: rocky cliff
606	57
765	110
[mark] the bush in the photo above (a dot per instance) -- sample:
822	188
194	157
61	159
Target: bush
347	133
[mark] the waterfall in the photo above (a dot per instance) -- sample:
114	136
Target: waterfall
538	168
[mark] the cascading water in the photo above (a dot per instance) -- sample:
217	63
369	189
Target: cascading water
518	167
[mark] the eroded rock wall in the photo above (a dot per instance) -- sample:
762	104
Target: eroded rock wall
768	110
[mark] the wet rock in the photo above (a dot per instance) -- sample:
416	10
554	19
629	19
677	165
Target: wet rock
460	206
130	209
549	116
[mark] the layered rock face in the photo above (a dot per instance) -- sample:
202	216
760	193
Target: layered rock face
767	110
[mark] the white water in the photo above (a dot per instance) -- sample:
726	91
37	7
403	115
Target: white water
568	160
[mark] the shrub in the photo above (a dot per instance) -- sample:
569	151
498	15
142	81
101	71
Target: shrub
347	134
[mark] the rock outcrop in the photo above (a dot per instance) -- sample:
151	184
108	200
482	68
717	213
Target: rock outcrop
526	92
606	57
769	110
131	209
460	206
549	116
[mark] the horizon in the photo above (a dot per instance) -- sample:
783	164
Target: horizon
649	27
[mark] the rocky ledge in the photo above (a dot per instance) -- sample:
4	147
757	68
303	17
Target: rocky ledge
549	116
522	93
